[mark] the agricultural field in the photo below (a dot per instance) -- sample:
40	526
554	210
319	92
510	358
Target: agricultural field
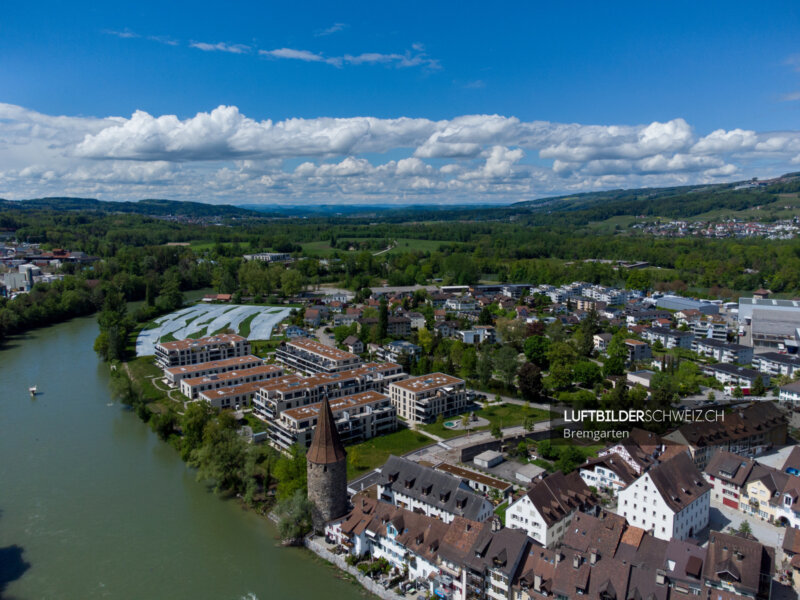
252	322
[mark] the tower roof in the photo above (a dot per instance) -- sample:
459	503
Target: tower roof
326	447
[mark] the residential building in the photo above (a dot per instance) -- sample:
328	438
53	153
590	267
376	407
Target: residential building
459	303
398	327
422	399
670	499
637	350
416	487
546	509
734	375
417	320
357	418
296	391
192	387
478	335
739	566
207	349
747	432
174	375
601	341
790	393
722	351
727	473
269	257
777	364
609	473
669	338
312	317
310	356
353	344
643	378
238	396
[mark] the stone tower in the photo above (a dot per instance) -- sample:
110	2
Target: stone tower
327	470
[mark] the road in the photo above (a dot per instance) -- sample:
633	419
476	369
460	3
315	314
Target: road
325	338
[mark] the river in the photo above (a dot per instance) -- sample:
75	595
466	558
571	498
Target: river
93	505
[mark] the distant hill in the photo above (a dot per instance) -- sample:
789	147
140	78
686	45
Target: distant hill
149	207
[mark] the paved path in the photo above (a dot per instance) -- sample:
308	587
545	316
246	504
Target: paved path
722	517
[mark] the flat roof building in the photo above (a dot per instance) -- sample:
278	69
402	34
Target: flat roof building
174	375
207	349
422	399
191	387
310	356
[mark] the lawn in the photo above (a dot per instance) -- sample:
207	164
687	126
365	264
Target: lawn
143	370
502	415
500	511
244	326
198	334
373	453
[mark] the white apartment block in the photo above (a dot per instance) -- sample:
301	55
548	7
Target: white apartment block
207	349
310	356
358	417
422	399
722	351
174	375
671	500
191	387
776	364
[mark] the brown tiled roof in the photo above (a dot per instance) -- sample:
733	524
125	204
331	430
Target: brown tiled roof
736	558
730	467
558	495
791	540
587	532
326	447
679	482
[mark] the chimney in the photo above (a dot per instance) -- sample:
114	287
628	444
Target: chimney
537	583
660	576
558	557
593	556
576	561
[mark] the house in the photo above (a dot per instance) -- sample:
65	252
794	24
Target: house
398	327
610	473
728	474
601	341
643	378
353	344
546	509
422	399
738	565
293	331
396	350
417	320
434	493
312	317
671	499
477	335
446	329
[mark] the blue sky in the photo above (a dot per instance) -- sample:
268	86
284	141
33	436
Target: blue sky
589	96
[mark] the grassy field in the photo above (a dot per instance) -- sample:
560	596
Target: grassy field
373	453
143	370
323	249
244	326
198	334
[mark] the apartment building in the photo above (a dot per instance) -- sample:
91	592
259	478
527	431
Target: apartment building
733	375
777	364
357	418
310	356
297	391
722	351
174	375
637	350
669	338
191	387
671	500
203	350
546	509
422	399
736	567
416	487
747	432
231	397
610	473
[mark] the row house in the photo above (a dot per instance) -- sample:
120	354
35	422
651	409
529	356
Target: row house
295	391
734	375
422	399
357	418
434	493
723	351
208	349
747	432
174	375
310	356
192	387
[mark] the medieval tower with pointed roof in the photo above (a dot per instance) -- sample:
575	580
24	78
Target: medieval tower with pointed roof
327	470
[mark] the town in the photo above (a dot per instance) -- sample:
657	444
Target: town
486	509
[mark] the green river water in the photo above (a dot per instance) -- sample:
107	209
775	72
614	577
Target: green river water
93	505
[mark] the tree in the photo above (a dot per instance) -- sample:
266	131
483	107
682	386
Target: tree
587	373
291	282
425	340
290	472
497	433
711	397
193	423
536	349
737	392
506	363
222	456
617	353
758	388
530	382
485	316
484	368
294	516
383	318
745	529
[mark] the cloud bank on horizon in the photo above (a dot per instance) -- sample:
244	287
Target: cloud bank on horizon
224	156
